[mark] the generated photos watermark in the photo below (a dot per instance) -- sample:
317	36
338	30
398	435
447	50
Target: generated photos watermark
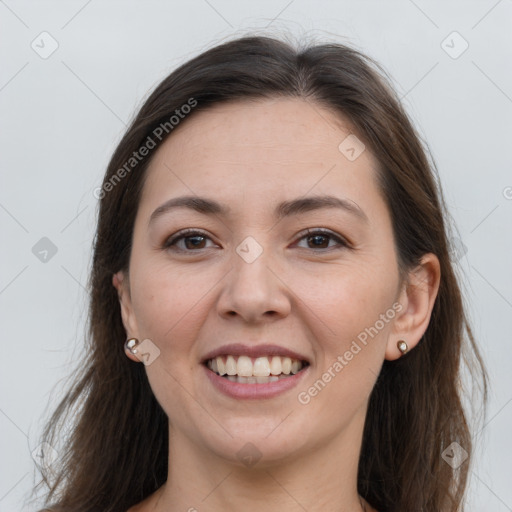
305	397
157	135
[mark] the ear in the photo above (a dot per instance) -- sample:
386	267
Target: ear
122	285
417	296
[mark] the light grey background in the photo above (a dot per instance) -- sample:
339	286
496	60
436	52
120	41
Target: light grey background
63	115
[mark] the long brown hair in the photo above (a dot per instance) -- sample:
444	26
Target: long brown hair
116	452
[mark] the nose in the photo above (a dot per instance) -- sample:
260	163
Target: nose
255	292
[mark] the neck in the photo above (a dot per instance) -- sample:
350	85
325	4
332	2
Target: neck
317	478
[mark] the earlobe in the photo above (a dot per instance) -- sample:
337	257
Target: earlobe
417	296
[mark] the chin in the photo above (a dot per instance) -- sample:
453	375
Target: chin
258	444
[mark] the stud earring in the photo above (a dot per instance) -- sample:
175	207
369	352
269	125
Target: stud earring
131	344
402	346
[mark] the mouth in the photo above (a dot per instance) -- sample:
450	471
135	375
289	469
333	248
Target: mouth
244	369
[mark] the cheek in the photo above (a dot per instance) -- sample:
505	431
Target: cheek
170	306
350	339
346	300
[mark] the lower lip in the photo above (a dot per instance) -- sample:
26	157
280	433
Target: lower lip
254	391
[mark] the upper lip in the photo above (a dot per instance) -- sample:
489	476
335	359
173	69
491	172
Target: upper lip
237	349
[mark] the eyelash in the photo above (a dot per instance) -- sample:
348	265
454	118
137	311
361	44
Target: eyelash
191	233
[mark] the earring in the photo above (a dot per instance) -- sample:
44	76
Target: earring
402	346
131	344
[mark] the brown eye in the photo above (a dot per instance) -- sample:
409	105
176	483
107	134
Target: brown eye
318	241
194	242
322	239
187	241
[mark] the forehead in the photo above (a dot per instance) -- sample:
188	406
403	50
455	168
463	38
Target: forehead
283	146
285	126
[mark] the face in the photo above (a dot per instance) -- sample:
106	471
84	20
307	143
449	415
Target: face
285	251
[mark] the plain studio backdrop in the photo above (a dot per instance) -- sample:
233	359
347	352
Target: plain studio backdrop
72	75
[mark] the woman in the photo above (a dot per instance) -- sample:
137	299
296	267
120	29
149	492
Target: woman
275	322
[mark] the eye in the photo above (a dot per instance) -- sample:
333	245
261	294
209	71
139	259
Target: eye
188	240
322	238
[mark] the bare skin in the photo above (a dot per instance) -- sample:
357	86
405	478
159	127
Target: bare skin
306	292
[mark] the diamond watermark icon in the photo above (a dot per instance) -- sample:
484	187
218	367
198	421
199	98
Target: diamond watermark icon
147	352
249	249
249	455
457	249
44	45
351	147
44	250
454	45
454	455
44	456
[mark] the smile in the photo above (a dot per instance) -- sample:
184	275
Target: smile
255	370
250	385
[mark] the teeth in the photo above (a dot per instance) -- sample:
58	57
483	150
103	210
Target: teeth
286	365
221	367
244	367
256	380
231	365
260	369
275	366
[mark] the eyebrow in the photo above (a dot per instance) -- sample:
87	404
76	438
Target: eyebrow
285	209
